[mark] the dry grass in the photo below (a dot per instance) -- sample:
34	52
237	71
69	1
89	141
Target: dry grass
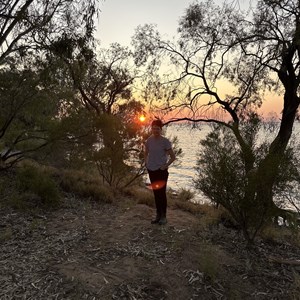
35	185
65	254
185	195
186	206
84	185
210	262
141	195
211	215
281	234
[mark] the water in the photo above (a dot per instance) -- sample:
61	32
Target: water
181	176
182	173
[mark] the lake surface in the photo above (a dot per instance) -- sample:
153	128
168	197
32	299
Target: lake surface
182	175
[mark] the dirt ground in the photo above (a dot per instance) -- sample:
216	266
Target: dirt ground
103	251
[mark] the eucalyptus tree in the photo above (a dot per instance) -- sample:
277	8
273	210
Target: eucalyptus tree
34	24
104	82
28	110
29	104
223	63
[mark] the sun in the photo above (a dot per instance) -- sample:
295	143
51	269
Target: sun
142	118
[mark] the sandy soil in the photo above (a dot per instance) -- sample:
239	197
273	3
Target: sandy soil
93	251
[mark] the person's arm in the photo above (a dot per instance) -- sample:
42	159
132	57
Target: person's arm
172	157
146	153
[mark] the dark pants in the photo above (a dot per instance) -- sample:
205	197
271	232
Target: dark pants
158	181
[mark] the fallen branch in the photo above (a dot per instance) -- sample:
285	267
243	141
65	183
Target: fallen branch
285	261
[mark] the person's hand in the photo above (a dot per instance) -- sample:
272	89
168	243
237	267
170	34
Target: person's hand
164	167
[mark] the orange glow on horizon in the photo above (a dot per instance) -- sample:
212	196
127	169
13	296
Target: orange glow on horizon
272	105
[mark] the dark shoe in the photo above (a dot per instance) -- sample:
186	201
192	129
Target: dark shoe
163	221
156	220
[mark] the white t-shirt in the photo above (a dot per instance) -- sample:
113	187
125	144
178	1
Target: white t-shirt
157	148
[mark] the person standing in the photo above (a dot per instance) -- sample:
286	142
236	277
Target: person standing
158	157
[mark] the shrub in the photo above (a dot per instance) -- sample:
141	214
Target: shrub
37	186
185	195
237	178
222	178
86	186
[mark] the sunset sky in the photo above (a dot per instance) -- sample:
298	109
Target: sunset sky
118	20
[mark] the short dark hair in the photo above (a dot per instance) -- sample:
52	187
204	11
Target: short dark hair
157	122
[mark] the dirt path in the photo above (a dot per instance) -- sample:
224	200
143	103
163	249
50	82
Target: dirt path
125	255
104	252
86	251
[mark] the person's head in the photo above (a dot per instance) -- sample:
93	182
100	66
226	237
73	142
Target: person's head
156	127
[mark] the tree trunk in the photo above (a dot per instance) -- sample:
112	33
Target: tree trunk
268	169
